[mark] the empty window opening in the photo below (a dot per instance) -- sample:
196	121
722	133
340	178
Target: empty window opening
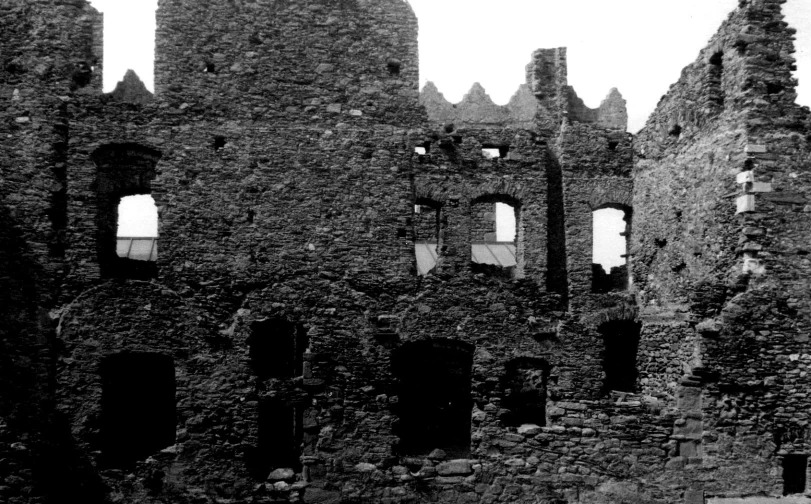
426	235
137	406
137	236
612	145
125	210
495	151
675	131
434	397
277	348
493	233
219	143
610	249
524	393
210	68
280	436
716	77
621	342
423	148
794	473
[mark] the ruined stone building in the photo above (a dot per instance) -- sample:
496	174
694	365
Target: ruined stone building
328	314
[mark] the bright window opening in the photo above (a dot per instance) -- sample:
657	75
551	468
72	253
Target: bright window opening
493	234
505	222
491	153
137	235
420	150
610	250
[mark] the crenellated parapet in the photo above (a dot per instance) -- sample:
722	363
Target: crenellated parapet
545	101
478	109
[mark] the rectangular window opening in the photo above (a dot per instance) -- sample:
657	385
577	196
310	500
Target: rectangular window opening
493	234
137	234
126	213
609	263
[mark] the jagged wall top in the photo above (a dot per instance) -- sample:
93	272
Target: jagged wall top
544	101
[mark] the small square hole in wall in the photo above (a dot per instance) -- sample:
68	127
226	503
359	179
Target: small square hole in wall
219	143
491	151
421	150
612	145
393	65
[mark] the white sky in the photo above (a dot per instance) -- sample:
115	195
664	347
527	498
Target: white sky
637	46
137	217
609	246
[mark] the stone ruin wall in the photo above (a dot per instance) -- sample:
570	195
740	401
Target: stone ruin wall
311	107
720	184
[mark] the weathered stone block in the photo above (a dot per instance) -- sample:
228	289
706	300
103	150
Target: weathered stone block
457	467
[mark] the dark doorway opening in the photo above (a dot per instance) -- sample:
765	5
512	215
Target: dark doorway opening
434	396
280	436
137	406
794	473
621	342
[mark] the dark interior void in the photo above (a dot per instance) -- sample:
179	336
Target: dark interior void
621	342
434	391
277	348
137	406
715	75
556	271
524	392
122	170
794	470
280	436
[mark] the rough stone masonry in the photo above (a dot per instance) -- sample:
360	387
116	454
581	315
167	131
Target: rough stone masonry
330	317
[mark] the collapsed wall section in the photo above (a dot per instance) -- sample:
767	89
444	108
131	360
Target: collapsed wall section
721	190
